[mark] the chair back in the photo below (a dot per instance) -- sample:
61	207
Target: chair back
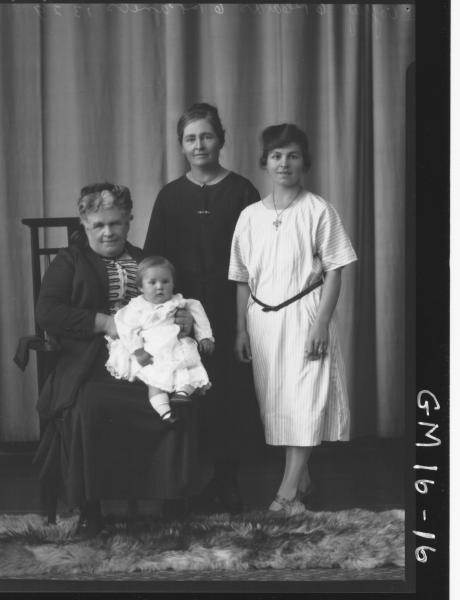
41	253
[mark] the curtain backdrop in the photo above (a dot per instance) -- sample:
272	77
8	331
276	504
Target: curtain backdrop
93	92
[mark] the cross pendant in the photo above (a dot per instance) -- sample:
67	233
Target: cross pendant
277	223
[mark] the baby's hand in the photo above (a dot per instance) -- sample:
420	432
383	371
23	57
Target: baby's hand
206	346
143	357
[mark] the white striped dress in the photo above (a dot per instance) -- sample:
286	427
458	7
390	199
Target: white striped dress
302	402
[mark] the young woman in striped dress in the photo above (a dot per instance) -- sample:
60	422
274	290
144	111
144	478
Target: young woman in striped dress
287	254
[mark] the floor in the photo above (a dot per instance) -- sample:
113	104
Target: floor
365	473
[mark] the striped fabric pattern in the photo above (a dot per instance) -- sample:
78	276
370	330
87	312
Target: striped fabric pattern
301	402
121	273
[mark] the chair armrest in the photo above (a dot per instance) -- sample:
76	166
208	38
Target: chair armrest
33	342
40	344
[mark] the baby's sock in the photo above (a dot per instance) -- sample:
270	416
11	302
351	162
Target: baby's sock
186	389
160	403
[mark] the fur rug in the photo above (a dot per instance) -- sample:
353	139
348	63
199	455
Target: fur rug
348	539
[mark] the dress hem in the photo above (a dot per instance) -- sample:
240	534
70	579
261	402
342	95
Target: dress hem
308	444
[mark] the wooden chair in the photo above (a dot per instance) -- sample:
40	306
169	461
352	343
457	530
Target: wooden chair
41	259
45	346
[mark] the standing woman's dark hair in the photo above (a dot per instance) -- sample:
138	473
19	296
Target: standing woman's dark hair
201	110
279	136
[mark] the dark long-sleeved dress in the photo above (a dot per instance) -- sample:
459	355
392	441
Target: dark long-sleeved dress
192	226
101	440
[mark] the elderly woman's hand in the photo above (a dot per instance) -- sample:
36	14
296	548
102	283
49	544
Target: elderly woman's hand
110	327
105	324
184	319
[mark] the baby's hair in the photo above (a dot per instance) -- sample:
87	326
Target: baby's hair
153	261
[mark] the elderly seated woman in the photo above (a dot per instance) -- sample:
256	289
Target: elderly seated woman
102	440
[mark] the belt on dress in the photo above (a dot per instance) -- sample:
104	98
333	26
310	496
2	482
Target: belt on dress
307	290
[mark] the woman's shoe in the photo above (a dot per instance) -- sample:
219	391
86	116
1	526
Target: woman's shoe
282	507
91	522
221	494
305	495
176	508
89	526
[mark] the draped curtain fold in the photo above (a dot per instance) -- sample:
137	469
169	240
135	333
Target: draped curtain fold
93	92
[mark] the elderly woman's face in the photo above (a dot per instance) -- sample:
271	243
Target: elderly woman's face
107	230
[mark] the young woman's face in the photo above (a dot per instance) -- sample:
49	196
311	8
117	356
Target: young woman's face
286	165
107	230
157	284
200	144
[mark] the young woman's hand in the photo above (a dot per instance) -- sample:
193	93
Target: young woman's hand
318	336
243	347
143	357
184	319
317	341
206	346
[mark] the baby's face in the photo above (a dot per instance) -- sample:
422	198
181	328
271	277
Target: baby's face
157	284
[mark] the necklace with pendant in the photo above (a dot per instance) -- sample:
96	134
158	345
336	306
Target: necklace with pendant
277	222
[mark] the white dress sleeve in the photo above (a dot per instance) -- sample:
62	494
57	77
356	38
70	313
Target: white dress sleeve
332	243
201	325
237	270
129	321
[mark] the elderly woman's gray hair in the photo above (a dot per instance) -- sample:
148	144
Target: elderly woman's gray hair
98	196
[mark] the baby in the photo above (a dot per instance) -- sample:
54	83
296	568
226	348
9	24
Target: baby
148	347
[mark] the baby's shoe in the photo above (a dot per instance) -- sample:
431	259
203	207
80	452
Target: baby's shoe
180	397
170	418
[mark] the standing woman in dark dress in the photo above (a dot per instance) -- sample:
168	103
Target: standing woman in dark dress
101	439
192	225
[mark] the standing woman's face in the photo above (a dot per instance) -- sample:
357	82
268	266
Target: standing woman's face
286	165
200	144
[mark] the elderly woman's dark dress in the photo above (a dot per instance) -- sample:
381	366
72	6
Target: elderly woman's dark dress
102	439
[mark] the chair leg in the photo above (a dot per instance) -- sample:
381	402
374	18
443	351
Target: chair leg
49	500
51	509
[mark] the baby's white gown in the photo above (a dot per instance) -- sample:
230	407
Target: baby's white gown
176	362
